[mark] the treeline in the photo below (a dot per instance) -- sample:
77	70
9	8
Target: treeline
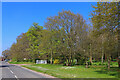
68	37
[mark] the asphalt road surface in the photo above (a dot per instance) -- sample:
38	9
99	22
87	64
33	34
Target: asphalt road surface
13	71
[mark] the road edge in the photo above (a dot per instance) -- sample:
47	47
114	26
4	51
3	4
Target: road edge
43	74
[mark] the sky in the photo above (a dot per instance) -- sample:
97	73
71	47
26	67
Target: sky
17	17
51	0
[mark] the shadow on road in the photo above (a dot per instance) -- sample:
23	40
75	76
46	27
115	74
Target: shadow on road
6	65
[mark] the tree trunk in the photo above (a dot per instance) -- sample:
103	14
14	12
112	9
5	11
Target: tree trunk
119	61
72	61
118	36
102	57
90	55
91	59
109	63
51	60
66	62
105	57
86	65
102	51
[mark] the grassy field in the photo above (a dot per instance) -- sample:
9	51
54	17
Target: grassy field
60	71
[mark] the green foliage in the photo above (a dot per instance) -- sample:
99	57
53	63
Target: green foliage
56	61
81	62
104	18
114	60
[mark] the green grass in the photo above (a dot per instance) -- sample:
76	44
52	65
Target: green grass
21	62
114	64
76	71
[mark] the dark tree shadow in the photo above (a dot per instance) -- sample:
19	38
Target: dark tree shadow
5	66
113	71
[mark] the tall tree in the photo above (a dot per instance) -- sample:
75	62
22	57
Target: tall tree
73	27
19	50
105	21
33	40
6	54
48	43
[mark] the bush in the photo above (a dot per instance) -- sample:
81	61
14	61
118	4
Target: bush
56	61
97	63
100	64
81	62
89	63
114	60
13	59
93	60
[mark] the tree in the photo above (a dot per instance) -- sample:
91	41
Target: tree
23	42
105	21
72	26
33	36
6	54
48	43
18	50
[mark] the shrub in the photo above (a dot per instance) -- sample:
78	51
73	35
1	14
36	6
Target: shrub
93	60
81	62
56	61
114	60
89	63
100	64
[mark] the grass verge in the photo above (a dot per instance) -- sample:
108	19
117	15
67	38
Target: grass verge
75	71
21	62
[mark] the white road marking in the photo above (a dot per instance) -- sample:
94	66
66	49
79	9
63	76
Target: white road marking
11	72
15	76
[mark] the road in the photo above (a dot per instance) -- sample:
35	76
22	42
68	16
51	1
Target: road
13	71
